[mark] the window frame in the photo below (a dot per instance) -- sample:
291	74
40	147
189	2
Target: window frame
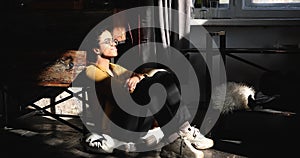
237	9
241	11
248	5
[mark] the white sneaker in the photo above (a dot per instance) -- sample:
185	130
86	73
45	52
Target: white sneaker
96	143
153	136
198	140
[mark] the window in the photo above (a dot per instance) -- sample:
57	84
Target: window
207	6
207	3
224	3
266	8
254	8
272	4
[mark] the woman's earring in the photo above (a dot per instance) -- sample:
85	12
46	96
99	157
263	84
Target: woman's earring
97	51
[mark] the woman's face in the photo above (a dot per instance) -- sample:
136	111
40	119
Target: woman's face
107	45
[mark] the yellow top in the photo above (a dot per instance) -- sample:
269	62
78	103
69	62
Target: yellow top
103	86
98	73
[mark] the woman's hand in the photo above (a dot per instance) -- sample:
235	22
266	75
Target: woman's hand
132	82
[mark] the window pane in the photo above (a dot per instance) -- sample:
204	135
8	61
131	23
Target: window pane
272	4
224	1
206	3
275	1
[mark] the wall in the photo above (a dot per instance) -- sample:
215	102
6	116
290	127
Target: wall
260	34
245	33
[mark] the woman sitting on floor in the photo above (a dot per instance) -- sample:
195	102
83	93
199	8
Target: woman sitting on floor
107	77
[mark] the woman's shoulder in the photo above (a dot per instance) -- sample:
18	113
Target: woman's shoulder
119	70
95	73
116	67
91	67
94	67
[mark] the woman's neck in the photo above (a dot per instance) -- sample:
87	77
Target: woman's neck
103	63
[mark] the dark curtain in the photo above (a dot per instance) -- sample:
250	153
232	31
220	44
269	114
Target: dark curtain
172	27
171	21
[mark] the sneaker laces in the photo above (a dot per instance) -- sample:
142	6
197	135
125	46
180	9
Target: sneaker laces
195	132
198	140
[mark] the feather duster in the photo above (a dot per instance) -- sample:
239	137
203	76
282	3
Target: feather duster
232	96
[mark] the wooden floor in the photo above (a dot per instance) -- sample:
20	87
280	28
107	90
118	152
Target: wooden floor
241	134
42	137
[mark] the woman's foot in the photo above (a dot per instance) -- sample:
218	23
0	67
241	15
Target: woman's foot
104	143
198	140
93	142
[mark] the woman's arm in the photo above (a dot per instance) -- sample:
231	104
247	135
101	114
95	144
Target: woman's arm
152	72
136	78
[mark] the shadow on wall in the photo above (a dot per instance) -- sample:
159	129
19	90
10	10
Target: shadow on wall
286	85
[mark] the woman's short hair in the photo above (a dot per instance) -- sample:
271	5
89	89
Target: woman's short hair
92	41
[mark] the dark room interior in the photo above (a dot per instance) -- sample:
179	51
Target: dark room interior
257	42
